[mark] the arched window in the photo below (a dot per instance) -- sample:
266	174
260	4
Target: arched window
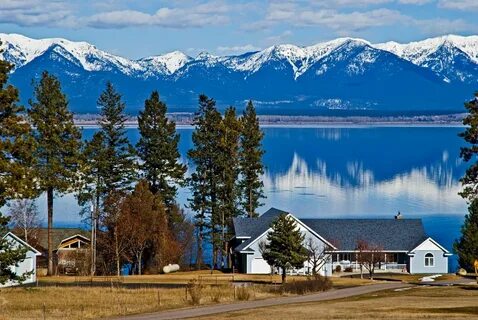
429	260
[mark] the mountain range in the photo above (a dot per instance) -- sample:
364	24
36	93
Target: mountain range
342	75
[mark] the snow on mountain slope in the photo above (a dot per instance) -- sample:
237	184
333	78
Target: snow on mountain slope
21	50
167	63
417	52
445	55
299	58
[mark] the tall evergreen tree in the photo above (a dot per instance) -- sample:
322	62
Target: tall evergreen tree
119	163
91	187
16	174
251	165
470	152
57	145
284	248
116	167
204	182
229	165
158	148
16	143
10	255
467	246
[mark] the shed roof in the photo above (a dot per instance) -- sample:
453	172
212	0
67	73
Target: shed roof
58	235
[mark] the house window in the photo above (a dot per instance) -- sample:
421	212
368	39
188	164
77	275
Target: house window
429	260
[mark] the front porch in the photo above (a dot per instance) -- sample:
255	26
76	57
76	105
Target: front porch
348	262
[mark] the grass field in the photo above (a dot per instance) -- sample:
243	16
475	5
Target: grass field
86	298
415	303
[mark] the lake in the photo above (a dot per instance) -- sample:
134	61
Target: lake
353	171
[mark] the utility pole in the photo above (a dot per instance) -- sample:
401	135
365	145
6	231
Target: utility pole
94	216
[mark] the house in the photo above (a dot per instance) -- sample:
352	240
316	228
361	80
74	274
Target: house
25	266
402	243
70	249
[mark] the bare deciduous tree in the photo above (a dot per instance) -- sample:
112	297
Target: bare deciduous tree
369	256
317	255
24	217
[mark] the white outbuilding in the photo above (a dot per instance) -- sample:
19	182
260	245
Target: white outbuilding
27	265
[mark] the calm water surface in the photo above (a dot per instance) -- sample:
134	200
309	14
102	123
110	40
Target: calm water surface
358	171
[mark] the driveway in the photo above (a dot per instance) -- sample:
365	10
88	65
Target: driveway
223	308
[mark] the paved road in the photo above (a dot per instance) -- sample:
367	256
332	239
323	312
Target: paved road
223	308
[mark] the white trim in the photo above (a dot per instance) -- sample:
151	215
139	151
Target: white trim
37	253
355	251
255	240
425	260
434	242
76	235
312	231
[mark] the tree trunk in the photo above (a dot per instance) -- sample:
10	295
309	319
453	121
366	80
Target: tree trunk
139	263
49	196
284	269
251	213
199	252
117	253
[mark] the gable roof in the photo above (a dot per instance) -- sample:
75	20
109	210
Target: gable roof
58	235
254	227
391	234
433	242
19	240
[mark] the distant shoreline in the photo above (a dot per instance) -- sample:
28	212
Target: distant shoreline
186	120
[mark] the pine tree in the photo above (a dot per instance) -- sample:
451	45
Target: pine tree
10	255
467	246
284	247
16	143
469	153
251	165
158	148
91	187
204	182
229	165
16	175
119	162
57	145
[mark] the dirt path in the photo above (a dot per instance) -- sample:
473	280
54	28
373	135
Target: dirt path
223	308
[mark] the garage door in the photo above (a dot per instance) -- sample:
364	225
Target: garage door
259	265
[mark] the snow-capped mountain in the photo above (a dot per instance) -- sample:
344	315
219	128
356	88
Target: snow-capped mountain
345	73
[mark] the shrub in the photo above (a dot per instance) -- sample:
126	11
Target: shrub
316	284
242	293
194	289
217	292
348	269
338	268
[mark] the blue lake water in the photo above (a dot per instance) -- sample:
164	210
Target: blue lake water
362	171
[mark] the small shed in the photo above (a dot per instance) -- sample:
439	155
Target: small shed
27	265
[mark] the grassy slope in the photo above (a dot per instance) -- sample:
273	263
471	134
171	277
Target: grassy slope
415	303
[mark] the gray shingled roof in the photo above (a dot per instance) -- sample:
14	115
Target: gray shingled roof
254	227
391	234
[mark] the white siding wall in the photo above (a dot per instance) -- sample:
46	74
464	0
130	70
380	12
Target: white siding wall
255	263
27	265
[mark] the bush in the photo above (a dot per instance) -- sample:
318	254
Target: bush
217	292
242	293
348	269
338	268
316	284
194	290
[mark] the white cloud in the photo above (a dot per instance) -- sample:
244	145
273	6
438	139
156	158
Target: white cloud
415	2
238	49
459	4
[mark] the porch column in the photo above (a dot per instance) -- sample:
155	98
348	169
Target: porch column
385	264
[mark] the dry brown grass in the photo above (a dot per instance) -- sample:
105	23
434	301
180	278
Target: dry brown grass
99	302
84	302
415	303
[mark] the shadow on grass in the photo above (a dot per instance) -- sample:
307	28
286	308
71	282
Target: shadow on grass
472	310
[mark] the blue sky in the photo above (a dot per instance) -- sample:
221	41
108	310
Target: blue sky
141	28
